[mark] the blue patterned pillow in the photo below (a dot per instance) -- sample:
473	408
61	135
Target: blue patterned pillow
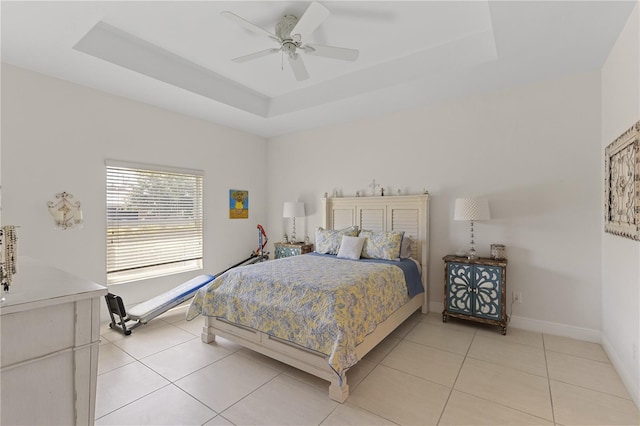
328	241
382	245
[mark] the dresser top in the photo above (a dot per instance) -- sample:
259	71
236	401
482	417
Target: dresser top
477	261
37	285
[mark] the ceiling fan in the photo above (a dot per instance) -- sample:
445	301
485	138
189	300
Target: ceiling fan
290	33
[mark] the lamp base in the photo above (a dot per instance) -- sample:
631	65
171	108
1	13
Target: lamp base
472	250
293	239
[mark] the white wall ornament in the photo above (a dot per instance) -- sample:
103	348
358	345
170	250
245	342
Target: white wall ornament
622	185
66	213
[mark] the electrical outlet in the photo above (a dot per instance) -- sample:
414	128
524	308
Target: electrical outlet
517	297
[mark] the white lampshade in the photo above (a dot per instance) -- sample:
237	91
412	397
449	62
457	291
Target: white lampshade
471	209
293	209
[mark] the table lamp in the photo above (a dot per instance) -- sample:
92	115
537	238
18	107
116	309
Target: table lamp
471	209
293	209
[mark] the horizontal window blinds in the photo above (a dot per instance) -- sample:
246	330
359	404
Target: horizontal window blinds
154	222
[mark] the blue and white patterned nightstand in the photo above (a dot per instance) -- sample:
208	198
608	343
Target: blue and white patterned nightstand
291	249
475	289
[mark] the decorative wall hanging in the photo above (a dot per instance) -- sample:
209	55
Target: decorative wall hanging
622	185
238	204
8	255
66	213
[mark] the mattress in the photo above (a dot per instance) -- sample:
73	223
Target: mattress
322	303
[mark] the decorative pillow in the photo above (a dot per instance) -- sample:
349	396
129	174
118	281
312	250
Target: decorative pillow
328	241
382	245
351	247
405	249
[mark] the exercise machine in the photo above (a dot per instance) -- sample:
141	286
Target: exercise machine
146	311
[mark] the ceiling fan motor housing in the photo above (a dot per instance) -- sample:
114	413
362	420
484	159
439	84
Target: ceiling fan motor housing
284	27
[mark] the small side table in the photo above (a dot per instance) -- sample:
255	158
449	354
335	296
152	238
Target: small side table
475	290
291	249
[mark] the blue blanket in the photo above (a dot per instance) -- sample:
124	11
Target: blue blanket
408	266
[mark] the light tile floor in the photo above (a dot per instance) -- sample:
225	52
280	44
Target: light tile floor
425	373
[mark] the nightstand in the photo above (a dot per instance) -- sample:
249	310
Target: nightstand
475	290
291	249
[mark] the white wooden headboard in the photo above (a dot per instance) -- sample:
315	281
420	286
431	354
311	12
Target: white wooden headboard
408	213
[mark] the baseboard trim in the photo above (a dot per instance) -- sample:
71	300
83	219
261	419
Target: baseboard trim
541	326
626	376
579	333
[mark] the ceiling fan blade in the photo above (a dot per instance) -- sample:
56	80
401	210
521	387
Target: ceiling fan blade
310	20
248	25
341	53
256	55
299	70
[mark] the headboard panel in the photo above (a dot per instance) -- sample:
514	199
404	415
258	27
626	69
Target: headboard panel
408	213
341	217
372	218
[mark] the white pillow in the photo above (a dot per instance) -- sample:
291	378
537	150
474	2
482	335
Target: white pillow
405	250
351	247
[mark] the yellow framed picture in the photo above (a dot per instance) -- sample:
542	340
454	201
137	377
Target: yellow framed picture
238	204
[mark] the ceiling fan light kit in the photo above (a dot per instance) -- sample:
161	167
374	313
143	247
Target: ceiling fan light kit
290	33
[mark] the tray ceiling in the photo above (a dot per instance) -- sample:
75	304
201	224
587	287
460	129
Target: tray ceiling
177	55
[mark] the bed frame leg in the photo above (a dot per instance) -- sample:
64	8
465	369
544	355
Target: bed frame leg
337	392
207	336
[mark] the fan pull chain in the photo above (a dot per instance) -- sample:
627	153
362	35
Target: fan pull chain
282	62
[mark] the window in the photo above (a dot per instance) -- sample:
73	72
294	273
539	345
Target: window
154	221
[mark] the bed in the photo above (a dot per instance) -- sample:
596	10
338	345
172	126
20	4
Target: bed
235	305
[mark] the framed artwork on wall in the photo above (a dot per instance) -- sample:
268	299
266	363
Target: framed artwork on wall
238	204
622	185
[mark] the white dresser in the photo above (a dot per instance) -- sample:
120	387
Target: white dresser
50	335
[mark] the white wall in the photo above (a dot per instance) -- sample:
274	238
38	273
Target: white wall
534	151
621	256
56	137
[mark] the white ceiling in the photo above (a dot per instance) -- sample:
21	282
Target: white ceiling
177	54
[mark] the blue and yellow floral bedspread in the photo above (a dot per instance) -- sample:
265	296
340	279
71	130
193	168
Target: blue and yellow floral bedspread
322	303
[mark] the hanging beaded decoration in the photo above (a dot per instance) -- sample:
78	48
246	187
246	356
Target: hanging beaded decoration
8	255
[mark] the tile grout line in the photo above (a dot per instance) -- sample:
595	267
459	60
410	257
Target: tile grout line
367	375
399	340
250	393
157	352
134	400
444	407
546	364
197	399
202	402
171	382
503	405
467	356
